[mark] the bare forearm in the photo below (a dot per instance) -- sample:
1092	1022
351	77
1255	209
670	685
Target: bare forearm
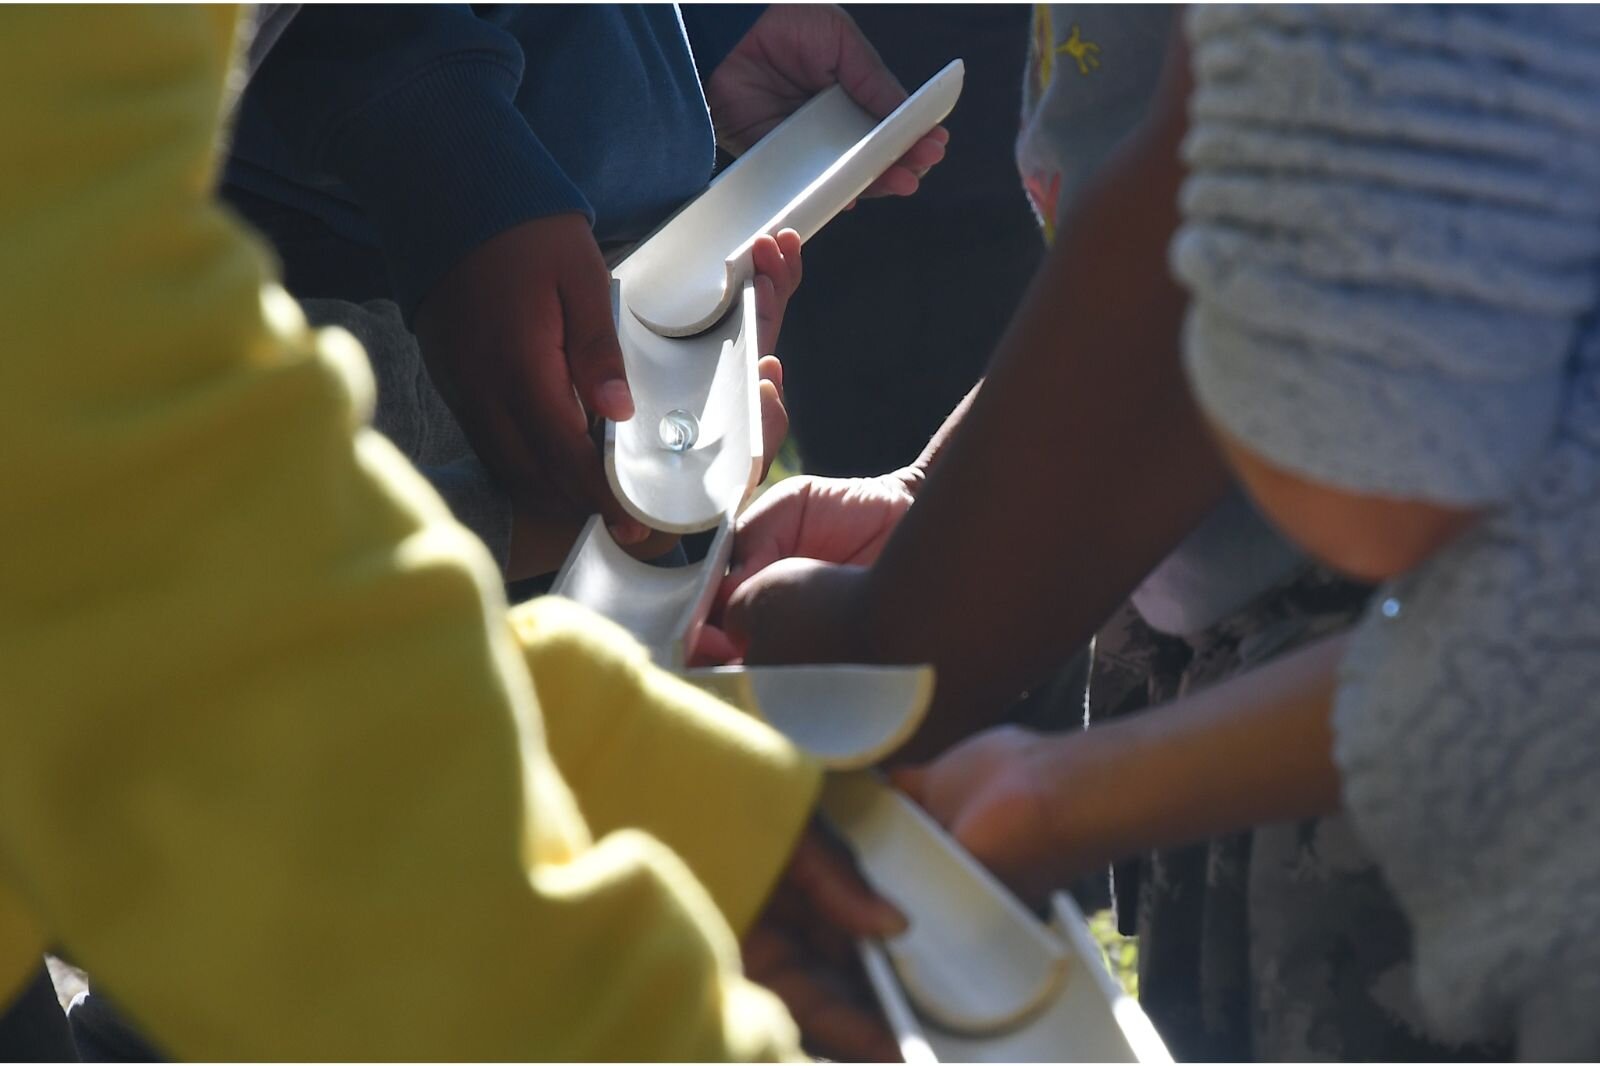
1251	750
1081	462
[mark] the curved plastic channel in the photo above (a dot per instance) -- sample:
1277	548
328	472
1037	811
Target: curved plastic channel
686	275
663	607
903	1023
846	717
713	379
1091	1020
974	961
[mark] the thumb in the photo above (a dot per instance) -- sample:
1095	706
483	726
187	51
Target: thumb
594	356
765	593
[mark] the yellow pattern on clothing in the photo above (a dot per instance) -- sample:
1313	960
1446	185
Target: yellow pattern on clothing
1043	49
1087	53
278	768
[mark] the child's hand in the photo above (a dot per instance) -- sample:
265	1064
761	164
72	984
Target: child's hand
793	52
519	339
994	794
522	388
789	613
835	520
802	949
778	269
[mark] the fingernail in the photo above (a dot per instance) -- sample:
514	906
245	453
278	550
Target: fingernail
616	400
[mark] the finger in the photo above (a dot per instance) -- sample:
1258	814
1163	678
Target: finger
495	437
774	425
655	544
770	368
519	464
766	951
769	531
760	557
789	244
594	356
578	472
836	891
863	74
830	943
769	313
913	781
759	596
544	408
829	1023
735	596
896	181
921	158
768	261
712	647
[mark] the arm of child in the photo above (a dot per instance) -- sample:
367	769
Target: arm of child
1043	810
973	579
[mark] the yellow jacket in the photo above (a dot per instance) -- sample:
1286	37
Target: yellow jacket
273	765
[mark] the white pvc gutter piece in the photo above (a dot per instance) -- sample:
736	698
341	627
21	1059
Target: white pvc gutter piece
684	278
846	717
685	306
977	977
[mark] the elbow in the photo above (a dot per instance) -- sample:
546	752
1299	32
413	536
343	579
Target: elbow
1369	538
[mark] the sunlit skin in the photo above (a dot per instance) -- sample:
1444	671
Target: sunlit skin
1091	358
540	540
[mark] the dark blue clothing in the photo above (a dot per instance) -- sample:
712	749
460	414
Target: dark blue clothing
33	1028
422	131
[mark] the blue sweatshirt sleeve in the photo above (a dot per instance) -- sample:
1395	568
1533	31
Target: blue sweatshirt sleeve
413	109
714	29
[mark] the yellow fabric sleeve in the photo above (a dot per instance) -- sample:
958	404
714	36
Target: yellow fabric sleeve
717	786
273	769
21	946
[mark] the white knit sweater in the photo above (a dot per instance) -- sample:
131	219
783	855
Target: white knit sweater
1392	239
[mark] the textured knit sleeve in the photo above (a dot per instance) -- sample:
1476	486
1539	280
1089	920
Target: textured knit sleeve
1393	242
272	766
1390	233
